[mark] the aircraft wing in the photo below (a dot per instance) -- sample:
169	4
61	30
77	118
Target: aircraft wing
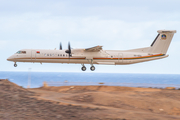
94	49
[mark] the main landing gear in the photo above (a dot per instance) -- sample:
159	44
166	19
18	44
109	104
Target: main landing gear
92	68
15	65
83	68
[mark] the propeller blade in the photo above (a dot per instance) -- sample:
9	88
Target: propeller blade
69	48
60	46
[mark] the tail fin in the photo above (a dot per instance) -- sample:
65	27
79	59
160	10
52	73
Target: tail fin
162	41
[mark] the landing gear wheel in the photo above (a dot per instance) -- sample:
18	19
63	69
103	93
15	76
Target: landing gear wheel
83	68
15	65
92	68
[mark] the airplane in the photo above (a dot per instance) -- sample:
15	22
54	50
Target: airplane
96	55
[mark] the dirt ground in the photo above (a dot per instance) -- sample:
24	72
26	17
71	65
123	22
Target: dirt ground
87	103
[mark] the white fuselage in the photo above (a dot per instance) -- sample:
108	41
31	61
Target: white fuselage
107	57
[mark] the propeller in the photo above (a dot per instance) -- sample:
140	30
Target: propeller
69	49
60	47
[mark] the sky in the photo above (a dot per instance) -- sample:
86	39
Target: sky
114	24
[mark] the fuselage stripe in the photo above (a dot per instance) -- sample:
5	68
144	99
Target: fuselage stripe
132	58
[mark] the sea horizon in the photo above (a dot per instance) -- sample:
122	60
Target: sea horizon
93	72
91	78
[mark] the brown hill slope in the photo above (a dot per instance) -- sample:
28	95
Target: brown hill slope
120	102
17	103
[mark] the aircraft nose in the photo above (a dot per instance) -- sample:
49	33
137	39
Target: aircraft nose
10	58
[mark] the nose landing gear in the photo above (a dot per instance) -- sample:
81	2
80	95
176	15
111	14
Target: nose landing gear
15	65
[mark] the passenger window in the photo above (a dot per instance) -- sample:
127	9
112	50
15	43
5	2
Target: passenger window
47	54
63	55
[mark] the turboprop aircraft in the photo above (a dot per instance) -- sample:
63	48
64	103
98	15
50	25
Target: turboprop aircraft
96	55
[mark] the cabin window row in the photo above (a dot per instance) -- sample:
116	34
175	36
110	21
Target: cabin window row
62	55
48	54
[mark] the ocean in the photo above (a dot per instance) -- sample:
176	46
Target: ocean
36	79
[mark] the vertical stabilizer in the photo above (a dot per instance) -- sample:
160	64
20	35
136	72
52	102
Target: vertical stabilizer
162	41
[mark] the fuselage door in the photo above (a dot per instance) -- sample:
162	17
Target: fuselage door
33	55
120	57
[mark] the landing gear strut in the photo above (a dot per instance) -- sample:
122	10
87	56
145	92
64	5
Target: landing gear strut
15	65
92	66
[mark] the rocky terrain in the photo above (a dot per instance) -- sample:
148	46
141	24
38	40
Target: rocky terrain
17	103
87	103
120	102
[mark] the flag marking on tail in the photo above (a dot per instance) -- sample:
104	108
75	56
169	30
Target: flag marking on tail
163	37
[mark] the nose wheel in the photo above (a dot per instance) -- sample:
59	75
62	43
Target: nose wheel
92	68
15	65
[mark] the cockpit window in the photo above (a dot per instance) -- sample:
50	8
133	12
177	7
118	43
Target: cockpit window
21	52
